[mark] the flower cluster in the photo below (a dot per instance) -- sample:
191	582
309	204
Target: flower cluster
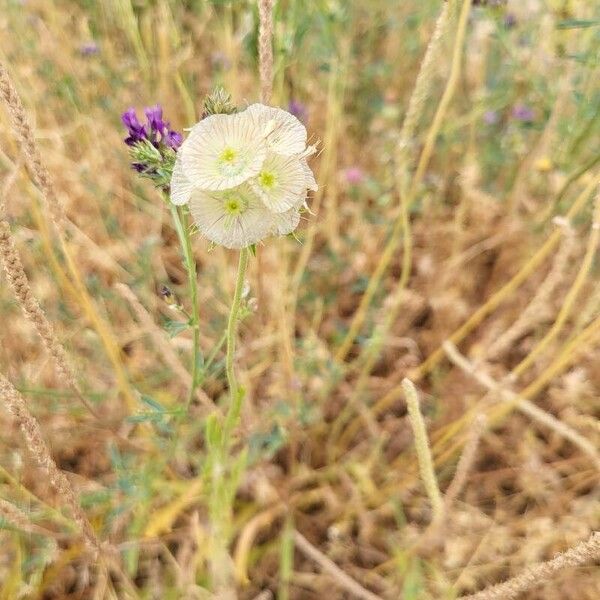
153	144
245	175
156	131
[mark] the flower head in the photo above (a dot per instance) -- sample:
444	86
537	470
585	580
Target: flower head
281	182
234	218
137	131
491	117
89	48
153	144
245	175
155	130
354	175
522	112
223	151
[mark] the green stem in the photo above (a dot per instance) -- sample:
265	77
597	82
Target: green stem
235	393
183	233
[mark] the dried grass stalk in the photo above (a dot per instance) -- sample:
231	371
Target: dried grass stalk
422	447
24	132
265	49
342	578
17	278
423	83
582	553
465	463
38	448
537	309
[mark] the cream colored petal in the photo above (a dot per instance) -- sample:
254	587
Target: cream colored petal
286	222
232	231
281	182
223	151
285	134
180	188
309	177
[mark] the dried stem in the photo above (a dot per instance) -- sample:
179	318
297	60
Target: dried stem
17	278
343	579
580	554
572	295
465	463
422	447
24	132
265	49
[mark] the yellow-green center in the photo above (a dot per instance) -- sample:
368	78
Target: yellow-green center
267	180
228	155
234	204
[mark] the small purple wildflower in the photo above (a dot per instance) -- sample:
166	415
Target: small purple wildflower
156	131
298	109
510	21
354	175
491	117
153	144
522	112
89	48
173	139
137	131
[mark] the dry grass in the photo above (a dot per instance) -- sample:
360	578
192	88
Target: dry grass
465	260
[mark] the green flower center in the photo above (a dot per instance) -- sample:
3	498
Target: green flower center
228	155
267	180
234	204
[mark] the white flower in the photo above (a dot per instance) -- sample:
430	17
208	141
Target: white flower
180	187
285	222
309	179
232	218
281	182
285	134
223	151
245	176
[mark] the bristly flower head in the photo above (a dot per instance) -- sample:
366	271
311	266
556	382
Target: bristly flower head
218	102
153	144
244	174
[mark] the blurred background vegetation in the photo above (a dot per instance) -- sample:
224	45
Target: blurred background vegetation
517	145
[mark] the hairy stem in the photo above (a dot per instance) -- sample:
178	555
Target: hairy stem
183	233
235	396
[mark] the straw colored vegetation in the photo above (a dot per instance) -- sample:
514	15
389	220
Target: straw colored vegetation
403	402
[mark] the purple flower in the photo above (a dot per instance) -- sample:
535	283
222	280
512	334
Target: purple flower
354	175
154	115
510	21
522	112
156	130
491	117
298	109
137	131
173	139
89	49
152	143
